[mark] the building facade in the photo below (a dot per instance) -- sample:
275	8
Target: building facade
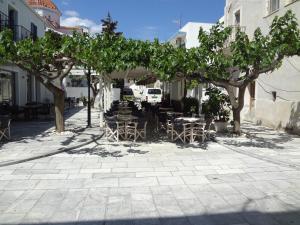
274	99
17	87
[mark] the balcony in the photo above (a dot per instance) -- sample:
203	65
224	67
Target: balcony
19	32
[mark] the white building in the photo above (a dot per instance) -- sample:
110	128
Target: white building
186	37
274	99
51	15
17	86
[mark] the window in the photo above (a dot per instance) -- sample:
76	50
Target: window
127	92
33	31
154	91
7	88
237	17
274	5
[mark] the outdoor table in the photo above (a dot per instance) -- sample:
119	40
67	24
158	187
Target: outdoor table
124	112
174	113
124	108
165	109
126	118
189	119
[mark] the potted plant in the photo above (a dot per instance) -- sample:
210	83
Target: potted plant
84	101
217	108
190	106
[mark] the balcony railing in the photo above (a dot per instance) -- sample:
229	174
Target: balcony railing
232	37
19	32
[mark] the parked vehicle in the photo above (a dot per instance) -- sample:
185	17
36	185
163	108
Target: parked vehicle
127	94
152	95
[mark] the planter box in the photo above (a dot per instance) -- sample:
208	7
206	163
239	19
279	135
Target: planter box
221	127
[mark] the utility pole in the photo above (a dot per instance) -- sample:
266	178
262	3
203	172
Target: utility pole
89	124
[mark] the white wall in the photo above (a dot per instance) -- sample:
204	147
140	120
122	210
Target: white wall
77	92
192	32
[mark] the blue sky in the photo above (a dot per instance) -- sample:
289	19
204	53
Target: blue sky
141	19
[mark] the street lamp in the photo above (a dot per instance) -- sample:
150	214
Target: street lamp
88	74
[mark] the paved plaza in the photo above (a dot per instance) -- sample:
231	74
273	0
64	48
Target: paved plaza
80	178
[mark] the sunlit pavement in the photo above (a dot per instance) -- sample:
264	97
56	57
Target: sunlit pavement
147	183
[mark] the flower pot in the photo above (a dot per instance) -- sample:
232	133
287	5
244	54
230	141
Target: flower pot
221	126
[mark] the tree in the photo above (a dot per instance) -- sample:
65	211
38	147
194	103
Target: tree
246	60
109	26
49	59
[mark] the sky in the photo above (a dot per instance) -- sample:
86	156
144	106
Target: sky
140	19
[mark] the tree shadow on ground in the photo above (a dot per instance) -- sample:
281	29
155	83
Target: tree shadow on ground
239	217
23	130
257	137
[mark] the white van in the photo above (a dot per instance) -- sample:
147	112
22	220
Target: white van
151	95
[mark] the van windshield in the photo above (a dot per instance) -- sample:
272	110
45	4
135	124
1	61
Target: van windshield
154	91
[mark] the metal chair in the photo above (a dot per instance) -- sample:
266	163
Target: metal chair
181	131
5	128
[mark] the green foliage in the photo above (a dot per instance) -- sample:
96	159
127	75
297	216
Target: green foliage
190	105
217	106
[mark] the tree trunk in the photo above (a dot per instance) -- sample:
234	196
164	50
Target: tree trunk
185	89
236	121
59	104
95	93
237	106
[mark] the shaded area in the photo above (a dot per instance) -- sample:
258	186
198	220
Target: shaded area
230	218
293	125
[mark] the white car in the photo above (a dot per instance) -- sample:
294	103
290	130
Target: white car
151	95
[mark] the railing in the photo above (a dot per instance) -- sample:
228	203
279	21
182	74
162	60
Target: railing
19	32
232	37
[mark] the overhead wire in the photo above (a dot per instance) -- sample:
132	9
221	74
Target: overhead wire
268	92
279	89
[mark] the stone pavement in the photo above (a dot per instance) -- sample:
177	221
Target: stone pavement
149	183
38	138
264	143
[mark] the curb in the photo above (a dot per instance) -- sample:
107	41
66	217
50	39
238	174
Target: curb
10	163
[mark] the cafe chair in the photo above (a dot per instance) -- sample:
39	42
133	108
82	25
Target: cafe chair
141	130
113	129
181	131
131	131
198	132
5	128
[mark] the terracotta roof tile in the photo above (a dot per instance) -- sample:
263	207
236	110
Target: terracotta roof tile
43	3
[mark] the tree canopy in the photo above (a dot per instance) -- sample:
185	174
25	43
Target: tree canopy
50	58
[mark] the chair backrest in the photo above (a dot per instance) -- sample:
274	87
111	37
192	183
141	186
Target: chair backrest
110	118
142	123
4	122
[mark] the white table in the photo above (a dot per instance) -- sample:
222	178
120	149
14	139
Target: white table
189	119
